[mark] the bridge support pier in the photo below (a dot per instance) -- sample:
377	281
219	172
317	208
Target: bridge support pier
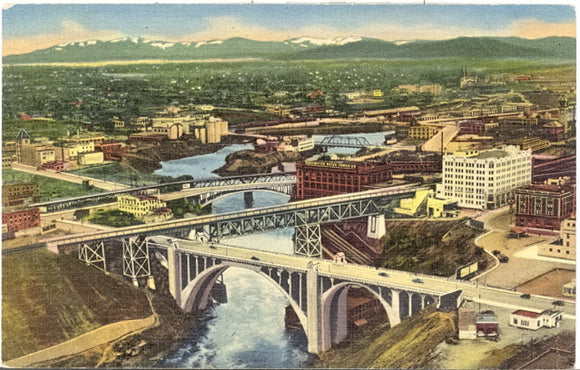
376	226
174	268
313	309
308	240
249	199
93	254
136	259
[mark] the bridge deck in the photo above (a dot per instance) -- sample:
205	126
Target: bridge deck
432	285
159	228
189	184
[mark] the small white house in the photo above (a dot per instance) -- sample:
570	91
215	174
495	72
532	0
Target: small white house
535	320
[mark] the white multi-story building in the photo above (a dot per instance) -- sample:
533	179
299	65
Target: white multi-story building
485	179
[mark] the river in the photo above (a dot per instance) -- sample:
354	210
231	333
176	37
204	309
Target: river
248	331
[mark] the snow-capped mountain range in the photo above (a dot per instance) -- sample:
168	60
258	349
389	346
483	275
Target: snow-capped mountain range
139	48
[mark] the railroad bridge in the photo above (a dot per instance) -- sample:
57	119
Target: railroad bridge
304	216
316	289
202	190
344	141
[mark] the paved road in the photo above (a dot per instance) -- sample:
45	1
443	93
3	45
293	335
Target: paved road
107	185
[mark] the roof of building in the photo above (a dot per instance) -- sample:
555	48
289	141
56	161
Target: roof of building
495	153
553	124
485	318
525	313
551	313
466	318
545	188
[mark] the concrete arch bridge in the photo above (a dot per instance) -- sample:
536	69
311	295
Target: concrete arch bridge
316	289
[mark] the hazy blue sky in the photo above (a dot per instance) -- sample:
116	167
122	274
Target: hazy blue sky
27	27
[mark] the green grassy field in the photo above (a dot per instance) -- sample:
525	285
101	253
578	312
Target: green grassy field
49	188
49	298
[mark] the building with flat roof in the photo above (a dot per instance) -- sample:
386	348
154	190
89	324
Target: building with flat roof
18	193
466	323
422	132
486	325
544	206
19	219
143	207
330	177
485	179
569	289
565	246
36	154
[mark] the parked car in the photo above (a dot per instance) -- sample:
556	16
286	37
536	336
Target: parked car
254	258
525	295
558	303
488	312
417	280
383	274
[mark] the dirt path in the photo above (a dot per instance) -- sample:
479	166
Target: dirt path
98	337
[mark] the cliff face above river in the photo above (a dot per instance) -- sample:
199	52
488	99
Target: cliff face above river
247	162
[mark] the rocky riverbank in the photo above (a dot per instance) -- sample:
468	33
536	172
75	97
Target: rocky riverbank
149	159
247	162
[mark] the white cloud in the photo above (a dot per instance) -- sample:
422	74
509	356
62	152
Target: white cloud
70	31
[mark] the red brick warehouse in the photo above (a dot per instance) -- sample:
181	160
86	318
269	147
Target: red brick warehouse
325	178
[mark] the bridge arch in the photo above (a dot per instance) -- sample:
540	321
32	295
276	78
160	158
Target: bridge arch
226	194
196	294
333	313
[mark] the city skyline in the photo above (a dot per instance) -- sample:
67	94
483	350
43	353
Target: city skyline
63	23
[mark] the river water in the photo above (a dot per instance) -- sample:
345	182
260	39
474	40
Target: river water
248	331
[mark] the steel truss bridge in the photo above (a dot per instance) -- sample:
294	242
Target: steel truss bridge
344	142
111	196
305	216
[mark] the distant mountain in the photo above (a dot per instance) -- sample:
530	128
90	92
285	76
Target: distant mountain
137	48
462	47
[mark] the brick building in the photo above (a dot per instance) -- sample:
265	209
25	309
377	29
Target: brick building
111	151
545	206
471	126
553	131
14	220
18	193
324	178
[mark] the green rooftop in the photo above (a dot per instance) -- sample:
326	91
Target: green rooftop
496	153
